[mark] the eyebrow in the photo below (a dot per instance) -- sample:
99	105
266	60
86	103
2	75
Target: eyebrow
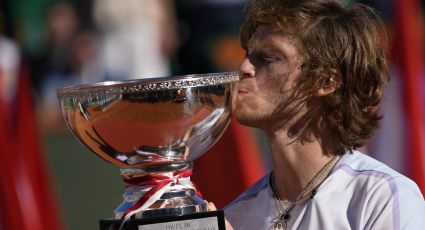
268	47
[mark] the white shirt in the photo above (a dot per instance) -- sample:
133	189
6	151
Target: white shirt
359	193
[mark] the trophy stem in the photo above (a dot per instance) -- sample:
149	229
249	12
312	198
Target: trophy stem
132	172
156	194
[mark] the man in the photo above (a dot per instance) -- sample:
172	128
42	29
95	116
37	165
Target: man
312	78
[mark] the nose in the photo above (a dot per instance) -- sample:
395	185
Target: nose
246	68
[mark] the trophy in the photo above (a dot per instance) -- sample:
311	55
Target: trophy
153	129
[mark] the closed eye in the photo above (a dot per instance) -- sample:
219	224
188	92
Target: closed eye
263	57
270	58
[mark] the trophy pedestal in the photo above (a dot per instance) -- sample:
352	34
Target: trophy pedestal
202	220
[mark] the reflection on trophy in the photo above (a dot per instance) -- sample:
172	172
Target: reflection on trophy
153	129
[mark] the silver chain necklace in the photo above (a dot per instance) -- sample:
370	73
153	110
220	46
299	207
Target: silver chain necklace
284	214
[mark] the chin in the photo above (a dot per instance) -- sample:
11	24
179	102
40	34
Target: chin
248	120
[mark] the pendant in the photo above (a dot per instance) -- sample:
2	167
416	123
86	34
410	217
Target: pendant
280	225
282	222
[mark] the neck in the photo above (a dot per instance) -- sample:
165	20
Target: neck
295	163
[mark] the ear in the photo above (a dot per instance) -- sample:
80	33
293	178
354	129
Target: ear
331	85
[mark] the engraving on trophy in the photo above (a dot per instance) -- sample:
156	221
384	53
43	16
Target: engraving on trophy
152	129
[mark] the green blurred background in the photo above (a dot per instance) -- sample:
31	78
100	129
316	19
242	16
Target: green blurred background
88	188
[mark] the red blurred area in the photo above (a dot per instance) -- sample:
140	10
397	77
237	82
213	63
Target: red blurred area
26	197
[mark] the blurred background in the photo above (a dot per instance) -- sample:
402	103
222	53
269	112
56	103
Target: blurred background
50	181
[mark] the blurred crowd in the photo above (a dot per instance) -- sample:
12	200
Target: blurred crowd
85	41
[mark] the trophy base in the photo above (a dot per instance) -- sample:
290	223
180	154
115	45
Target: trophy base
213	220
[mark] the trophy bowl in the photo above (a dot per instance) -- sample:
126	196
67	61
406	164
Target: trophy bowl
152	129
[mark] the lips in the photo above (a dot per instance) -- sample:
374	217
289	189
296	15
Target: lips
242	90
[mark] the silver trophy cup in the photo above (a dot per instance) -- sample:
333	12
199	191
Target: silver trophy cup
152	129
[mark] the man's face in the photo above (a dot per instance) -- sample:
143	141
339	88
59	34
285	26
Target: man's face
268	76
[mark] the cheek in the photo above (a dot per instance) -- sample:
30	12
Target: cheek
274	85
268	96
288	82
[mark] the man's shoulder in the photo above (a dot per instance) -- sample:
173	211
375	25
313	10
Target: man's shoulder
363	167
377	177
253	191
251	197
386	191
250	207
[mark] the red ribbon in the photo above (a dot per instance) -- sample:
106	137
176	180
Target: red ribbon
157	182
